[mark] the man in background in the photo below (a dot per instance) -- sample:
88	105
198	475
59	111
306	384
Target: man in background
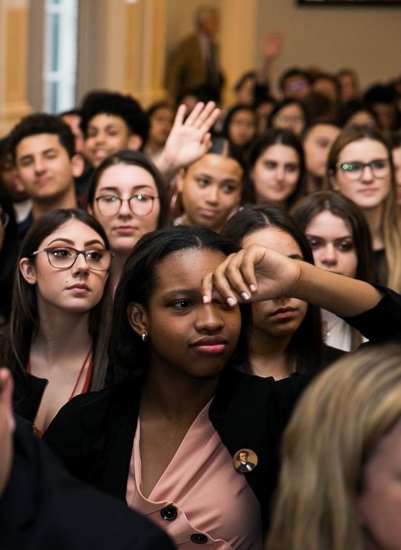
194	63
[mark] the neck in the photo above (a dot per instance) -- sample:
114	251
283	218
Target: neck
278	204
314	183
67	200
268	354
373	218
154	146
180	399
51	340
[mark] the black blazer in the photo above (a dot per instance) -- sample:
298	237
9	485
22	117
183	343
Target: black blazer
44	508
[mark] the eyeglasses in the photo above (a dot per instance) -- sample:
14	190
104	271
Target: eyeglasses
4	219
353	171
283	119
140	205
64	257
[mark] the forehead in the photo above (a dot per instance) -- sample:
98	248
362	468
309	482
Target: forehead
73	230
328	223
126	176
38	143
279	151
364	149
274	238
293	109
323	130
163	113
176	271
102	120
217	165
244	114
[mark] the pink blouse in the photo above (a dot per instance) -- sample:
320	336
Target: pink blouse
200	499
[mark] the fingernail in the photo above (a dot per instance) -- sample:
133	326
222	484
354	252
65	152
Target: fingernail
252	288
206	299
245	296
231	301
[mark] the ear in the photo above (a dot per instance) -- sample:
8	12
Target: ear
180	180
78	165
89	209
138	318
6	396
28	271
134	142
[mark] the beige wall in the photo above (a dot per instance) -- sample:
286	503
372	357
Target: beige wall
365	38
331	37
124	46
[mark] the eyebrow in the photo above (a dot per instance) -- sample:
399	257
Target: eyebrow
28	155
179	292
68	241
209	176
348	236
108	126
134	188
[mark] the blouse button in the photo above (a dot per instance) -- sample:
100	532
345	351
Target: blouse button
198	538
169	513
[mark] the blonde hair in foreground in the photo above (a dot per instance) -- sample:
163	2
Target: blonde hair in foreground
333	431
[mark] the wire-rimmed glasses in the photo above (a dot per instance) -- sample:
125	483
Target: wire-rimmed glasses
140	204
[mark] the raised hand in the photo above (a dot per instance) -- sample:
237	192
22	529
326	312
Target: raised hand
272	45
189	138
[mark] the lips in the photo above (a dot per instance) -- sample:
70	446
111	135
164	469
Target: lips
284	313
100	154
125	230
79	289
210	345
42	181
207	213
368	191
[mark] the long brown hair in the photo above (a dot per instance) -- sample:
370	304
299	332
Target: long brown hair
390	223
24	319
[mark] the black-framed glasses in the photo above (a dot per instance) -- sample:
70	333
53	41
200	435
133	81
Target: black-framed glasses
353	171
140	204
64	257
4	219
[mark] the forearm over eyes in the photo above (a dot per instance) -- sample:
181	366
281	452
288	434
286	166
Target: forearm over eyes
344	296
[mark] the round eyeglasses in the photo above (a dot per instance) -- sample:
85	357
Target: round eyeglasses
4	219
140	204
64	257
353	171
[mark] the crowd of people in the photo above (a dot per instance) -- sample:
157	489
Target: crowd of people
171	281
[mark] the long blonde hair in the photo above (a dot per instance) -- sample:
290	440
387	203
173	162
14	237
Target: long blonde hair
332	434
390	224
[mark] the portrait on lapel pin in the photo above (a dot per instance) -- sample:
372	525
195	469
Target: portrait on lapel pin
245	460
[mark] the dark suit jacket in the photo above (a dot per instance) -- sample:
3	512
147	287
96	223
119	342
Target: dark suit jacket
186	68
43	508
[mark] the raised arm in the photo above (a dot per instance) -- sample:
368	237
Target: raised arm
258	273
271	48
189	138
